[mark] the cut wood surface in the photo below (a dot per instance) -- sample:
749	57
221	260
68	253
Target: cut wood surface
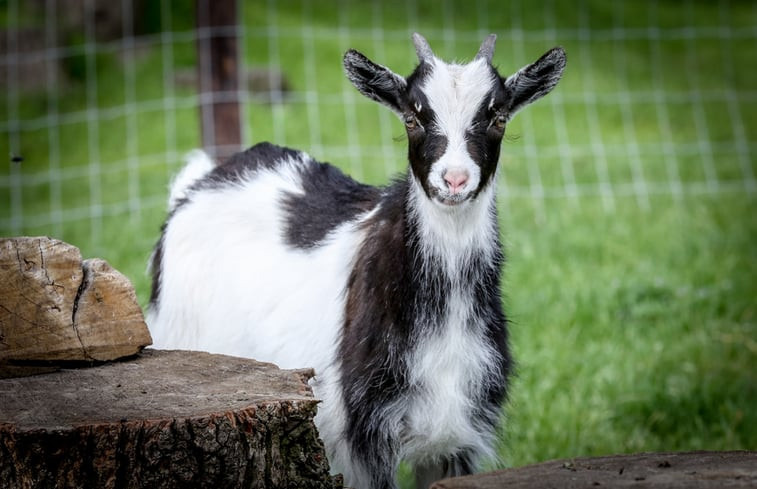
165	419
698	470
54	307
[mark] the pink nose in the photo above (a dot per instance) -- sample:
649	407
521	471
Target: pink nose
456	180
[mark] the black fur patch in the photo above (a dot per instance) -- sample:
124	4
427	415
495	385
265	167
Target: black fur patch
373	80
425	146
234	170
378	333
422	151
535	80
156	265
330	199
484	138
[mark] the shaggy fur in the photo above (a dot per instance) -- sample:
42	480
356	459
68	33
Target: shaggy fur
392	294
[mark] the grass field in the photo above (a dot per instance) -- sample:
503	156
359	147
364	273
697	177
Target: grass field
627	196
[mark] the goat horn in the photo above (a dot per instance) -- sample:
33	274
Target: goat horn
422	48
486	50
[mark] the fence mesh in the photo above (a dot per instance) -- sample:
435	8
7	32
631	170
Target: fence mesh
99	100
627	194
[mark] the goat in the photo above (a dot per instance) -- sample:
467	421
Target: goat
392	294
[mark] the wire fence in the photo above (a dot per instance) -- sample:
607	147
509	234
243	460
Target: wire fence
100	101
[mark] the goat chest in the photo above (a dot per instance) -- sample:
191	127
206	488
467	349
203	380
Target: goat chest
449	375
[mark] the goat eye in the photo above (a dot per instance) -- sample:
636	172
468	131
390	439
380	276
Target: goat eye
410	121
500	121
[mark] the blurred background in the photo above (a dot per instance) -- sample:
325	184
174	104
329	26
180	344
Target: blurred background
627	197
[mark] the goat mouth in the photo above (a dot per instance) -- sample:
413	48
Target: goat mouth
451	200
447	199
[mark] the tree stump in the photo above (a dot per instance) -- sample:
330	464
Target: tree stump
168	419
684	470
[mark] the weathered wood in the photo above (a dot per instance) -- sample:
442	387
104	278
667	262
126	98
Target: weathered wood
54	307
218	76
166	419
697	470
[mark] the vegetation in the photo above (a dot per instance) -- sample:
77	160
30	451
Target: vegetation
627	196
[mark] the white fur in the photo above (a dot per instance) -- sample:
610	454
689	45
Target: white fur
198	165
452	233
330	421
447	368
455	93
232	302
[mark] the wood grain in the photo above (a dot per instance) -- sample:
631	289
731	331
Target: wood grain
165	419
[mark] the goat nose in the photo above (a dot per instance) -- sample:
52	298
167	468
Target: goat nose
455	179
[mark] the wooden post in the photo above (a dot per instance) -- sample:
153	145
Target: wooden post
218	77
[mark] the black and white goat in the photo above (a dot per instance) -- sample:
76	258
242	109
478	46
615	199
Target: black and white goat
392	294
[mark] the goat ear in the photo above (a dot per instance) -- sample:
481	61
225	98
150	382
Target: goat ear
375	81
536	80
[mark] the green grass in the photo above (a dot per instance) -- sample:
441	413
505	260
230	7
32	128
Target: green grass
633	314
633	331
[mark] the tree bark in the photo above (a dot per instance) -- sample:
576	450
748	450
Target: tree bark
682	470
168	419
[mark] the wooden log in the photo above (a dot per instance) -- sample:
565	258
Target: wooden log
54	307
165	419
684	470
